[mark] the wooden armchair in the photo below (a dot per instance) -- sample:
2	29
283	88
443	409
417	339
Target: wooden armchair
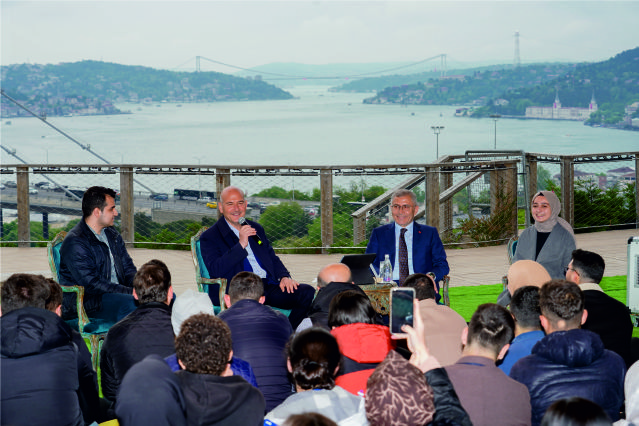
202	277
379	294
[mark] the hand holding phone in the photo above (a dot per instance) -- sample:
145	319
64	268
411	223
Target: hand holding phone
401	309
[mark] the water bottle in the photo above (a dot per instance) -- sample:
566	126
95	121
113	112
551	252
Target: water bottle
386	270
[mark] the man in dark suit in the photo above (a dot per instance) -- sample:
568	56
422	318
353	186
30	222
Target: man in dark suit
424	249
228	248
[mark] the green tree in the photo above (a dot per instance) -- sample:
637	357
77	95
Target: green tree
285	220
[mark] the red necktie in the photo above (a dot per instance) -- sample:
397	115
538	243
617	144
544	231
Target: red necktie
403	257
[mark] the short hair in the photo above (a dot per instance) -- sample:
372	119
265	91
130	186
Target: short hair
55	296
524	306
308	419
404	193
246	285
24	290
95	197
314	356
590	265
423	285
349	307
204	344
562	300
151	283
575	411
491	326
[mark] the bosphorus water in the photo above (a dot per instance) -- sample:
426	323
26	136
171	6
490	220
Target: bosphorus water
317	128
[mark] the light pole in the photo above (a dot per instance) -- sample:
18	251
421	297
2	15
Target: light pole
495	117
437	130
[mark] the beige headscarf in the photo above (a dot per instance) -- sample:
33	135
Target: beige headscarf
526	272
555	209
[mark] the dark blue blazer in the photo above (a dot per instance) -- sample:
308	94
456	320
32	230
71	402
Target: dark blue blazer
224	256
428	250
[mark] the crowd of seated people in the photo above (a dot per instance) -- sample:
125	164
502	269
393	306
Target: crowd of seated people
173	362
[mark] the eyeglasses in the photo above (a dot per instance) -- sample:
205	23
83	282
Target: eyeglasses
568	268
402	207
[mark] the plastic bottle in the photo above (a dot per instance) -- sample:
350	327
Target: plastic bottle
386	270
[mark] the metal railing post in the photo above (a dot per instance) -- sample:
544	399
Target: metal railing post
22	199
127	213
222	180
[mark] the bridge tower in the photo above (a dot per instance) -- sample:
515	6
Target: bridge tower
197	64
517	61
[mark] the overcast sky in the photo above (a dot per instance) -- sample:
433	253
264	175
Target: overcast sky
169	34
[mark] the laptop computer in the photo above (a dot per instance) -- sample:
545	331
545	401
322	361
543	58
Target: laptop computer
360	267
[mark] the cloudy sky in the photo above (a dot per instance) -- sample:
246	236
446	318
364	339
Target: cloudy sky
169	34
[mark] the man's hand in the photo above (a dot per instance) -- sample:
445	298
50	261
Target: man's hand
421	357
246	231
288	285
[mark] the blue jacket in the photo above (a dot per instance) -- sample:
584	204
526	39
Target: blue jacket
260	335
428	250
85	261
571	363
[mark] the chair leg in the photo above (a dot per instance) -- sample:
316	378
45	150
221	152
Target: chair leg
95	351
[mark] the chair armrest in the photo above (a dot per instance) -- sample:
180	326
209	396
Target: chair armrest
83	318
220	282
444	290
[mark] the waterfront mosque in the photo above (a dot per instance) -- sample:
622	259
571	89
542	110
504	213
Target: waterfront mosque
556	112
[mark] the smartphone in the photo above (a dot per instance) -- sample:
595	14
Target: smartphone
401	308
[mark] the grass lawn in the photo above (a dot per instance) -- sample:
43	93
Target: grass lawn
465	300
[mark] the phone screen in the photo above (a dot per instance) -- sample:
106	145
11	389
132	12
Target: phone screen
401	309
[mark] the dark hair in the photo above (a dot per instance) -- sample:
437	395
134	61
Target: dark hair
246	285
308	419
151	283
575	411
95	197
491	326
204	344
349	307
524	305
55	296
423	285
24	290
314	356
589	264
561	300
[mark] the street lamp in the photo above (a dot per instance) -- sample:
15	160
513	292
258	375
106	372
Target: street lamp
437	130
495	117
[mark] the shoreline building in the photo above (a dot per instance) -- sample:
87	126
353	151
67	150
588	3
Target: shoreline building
557	112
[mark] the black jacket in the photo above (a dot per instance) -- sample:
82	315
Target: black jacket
39	370
319	308
85	261
143	332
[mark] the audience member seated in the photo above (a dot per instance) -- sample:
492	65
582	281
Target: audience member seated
313	361
193	302
307	419
524	308
520	274
631	392
442	326
332	279
607	317
575	411
569	361
362	342
550	240
205	393
145	331
486	393
260	335
39	367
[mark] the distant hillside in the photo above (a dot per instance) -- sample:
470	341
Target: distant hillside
91	87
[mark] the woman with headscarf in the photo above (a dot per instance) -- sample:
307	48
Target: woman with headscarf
551	240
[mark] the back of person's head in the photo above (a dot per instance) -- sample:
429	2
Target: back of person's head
491	327
349	307
423	285
246	285
315	357
589	265
188	304
575	411
524	306
524	273
151	283
54	301
562	301
95	197
308	419
335	272
204	345
24	290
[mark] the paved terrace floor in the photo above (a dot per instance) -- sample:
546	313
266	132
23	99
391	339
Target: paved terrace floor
471	266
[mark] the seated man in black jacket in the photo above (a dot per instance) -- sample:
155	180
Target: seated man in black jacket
93	256
145	331
44	378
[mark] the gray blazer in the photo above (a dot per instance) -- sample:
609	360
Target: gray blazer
556	253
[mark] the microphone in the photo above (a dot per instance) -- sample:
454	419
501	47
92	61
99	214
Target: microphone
256	237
